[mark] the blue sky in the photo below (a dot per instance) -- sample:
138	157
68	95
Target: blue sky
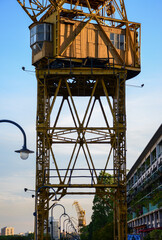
18	103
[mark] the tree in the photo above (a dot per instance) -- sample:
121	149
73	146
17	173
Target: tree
104	233
17	237
101	226
156	198
86	232
154	235
102	204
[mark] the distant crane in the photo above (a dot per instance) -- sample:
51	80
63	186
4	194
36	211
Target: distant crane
81	215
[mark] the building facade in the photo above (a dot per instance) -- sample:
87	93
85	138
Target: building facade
54	228
6	231
144	189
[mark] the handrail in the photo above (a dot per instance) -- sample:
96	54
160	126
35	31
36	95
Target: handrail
77	173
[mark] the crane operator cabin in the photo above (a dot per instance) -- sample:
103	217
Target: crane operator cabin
80	32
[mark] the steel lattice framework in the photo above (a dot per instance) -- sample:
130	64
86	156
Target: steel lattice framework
47	136
61	77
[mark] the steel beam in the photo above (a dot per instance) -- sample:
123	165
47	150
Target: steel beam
113	135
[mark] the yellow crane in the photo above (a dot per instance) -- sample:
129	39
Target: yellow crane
86	49
81	214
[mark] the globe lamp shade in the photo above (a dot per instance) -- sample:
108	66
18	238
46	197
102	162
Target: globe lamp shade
24	153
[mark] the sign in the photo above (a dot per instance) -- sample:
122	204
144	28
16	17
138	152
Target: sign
134	237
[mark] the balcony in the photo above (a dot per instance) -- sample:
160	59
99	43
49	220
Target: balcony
149	176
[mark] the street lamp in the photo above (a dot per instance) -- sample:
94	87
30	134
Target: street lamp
70	221
68	234
35	213
29	190
68	225
64	214
54	205
24	152
65	227
138	86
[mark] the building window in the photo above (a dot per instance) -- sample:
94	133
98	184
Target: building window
159	149
152	217
147	162
153	155
118	40
40	33
143	168
135	177
139	172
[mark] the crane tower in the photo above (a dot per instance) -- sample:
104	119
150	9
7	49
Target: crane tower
81	214
81	49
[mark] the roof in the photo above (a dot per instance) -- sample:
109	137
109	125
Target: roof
153	140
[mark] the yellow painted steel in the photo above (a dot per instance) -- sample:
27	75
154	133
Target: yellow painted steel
81	215
115	136
98	185
60	76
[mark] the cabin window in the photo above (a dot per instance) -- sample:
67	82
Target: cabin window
122	42
40	33
118	40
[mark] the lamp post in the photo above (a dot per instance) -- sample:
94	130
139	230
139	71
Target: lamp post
29	190
24	152
75	221
64	228
35	213
68	226
67	229
64	214
54	205
70	234
139	86
70	221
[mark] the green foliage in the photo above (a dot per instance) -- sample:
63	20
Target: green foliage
17	237
101	226
104	233
141	200
157	198
129	216
137	204
154	235
102	212
86	232
102	206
